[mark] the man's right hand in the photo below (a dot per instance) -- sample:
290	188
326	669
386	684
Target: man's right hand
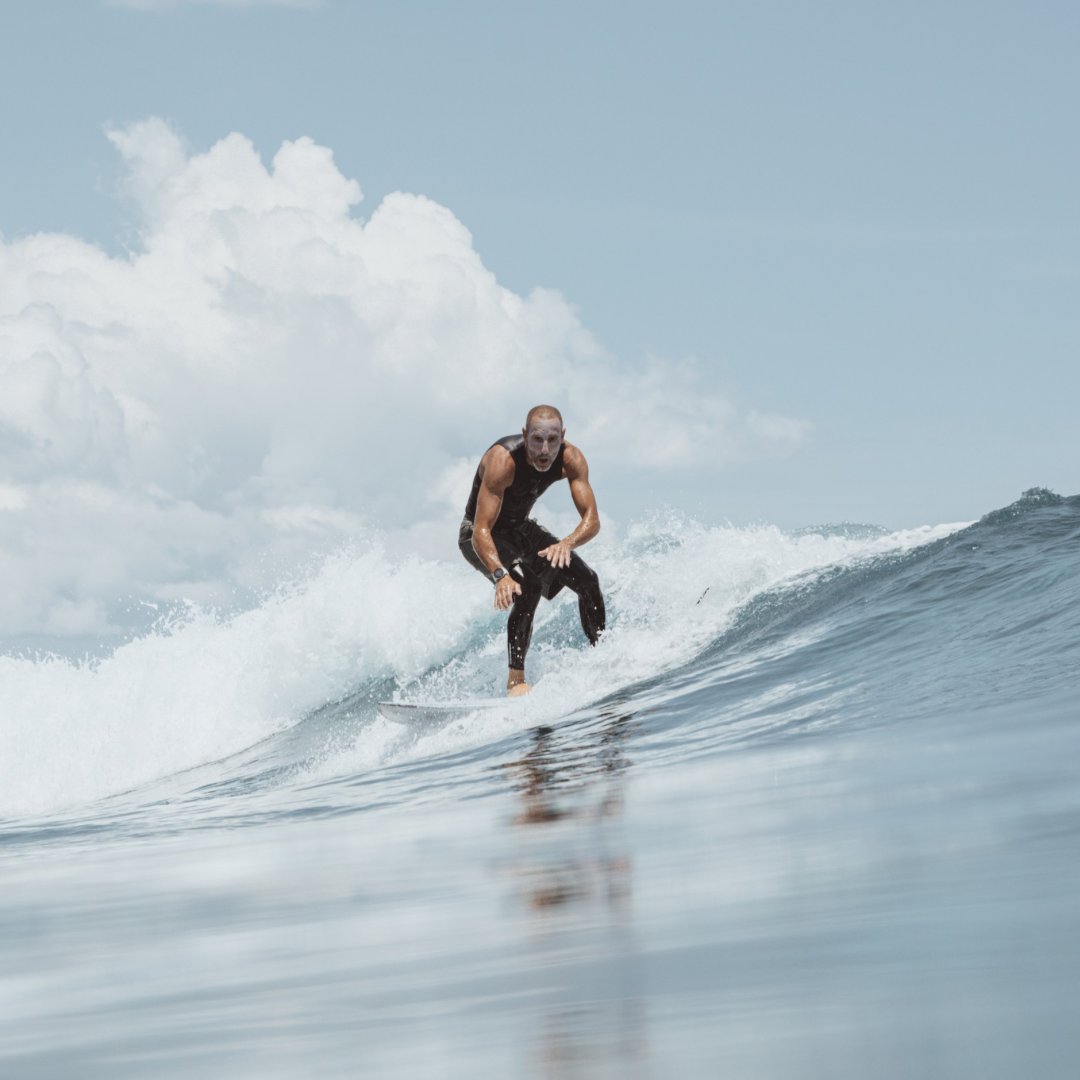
506	588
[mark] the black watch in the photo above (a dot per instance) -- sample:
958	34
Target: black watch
498	574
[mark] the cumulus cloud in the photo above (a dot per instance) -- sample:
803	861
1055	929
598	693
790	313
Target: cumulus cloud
270	372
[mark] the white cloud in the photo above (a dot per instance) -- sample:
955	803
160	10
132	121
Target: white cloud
269	373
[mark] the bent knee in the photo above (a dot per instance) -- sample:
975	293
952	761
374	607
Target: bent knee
589	578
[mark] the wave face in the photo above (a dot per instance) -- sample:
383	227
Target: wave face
313	660
811	802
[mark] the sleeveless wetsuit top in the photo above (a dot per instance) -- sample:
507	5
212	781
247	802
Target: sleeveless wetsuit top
529	484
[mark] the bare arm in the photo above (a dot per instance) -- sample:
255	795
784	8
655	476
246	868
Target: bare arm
576	470
496	477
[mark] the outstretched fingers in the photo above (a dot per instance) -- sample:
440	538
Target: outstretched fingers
557	554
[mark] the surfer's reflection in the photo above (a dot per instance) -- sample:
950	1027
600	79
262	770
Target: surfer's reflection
575	878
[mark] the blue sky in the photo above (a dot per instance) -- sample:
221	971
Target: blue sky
861	216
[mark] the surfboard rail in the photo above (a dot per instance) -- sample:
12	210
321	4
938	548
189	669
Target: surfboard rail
434	712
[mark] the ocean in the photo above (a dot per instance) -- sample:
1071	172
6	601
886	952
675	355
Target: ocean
810	809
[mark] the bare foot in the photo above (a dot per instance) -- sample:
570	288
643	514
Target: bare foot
519	689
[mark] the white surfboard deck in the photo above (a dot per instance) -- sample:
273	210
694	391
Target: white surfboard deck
432	712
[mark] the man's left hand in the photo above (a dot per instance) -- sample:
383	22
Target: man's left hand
558	554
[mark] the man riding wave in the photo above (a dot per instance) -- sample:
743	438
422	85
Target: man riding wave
524	560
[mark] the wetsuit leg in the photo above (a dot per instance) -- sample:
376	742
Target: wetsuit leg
519	627
518	553
582	579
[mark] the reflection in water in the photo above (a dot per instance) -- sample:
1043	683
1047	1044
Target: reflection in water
575	879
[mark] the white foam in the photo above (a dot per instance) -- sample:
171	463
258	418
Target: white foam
204	688
671	587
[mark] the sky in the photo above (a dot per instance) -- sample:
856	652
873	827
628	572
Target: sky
785	263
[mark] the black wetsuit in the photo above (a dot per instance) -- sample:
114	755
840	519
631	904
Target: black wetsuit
518	539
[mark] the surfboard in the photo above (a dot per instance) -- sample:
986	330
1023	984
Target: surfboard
434	712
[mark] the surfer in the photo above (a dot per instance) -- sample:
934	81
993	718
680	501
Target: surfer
524	560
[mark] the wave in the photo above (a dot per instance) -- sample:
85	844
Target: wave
718	634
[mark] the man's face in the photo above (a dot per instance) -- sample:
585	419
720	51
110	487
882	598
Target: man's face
542	441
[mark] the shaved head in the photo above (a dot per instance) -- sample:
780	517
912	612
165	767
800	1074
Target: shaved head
543	412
